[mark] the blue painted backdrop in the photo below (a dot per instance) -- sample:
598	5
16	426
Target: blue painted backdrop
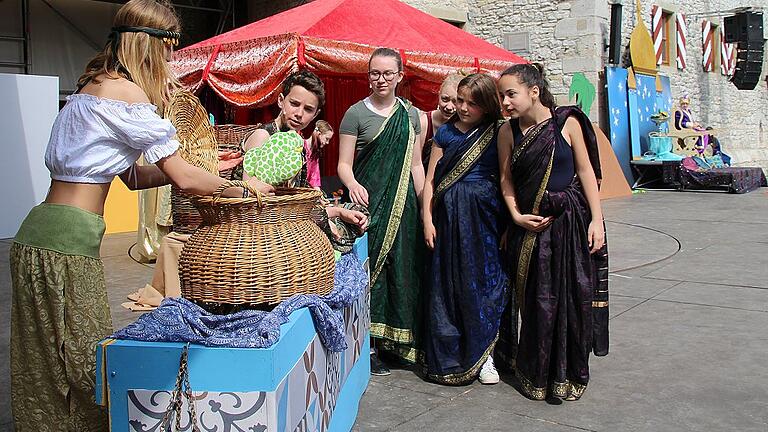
630	113
618	110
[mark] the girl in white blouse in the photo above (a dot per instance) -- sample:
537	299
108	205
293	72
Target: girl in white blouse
59	307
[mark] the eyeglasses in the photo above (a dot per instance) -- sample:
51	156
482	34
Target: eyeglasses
389	75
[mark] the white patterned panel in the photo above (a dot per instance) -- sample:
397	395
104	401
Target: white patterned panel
315	382
216	411
357	319
297	396
308	395
331	389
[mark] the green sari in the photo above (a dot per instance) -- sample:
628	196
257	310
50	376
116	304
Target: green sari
395	238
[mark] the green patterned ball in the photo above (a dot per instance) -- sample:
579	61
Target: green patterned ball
277	160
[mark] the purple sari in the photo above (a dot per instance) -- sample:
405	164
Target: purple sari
557	286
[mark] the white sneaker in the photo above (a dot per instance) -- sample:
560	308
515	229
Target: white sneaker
488	373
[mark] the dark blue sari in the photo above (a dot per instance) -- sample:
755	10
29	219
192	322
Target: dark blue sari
468	285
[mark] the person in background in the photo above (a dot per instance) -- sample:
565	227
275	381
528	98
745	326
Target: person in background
432	120
300	101
313	147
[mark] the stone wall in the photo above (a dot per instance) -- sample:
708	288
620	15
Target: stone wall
565	36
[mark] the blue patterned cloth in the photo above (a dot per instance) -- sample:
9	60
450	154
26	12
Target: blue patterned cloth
179	320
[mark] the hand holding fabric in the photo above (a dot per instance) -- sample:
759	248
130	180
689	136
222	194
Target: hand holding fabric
354	217
533	222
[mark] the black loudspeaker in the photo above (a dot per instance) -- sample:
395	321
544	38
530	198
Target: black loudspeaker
749	64
744	27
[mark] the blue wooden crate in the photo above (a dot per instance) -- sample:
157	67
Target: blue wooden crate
295	383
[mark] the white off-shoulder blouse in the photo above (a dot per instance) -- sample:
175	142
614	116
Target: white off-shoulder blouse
94	139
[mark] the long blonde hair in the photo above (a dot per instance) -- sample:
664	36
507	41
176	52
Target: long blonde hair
139	57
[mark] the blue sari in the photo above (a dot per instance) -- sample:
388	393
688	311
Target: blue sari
468	285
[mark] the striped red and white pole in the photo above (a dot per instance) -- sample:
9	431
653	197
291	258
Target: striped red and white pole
732	59
681	33
725	55
656	24
708	46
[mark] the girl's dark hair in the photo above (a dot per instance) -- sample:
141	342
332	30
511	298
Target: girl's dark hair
482	89
387	52
532	75
309	81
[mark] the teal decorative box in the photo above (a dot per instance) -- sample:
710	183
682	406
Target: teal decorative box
296	384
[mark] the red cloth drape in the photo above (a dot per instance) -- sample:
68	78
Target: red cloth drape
340	93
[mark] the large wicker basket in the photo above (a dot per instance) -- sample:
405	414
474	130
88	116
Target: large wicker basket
258	250
198	147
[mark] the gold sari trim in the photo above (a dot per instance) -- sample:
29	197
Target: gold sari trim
469	375
535	393
560	390
402	192
467	162
528	138
568	390
530	237
529	241
402	336
407	353
599	304
576	391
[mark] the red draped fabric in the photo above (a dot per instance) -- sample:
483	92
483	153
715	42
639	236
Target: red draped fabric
333	38
343	92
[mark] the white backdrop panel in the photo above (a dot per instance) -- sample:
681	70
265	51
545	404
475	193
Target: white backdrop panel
28	106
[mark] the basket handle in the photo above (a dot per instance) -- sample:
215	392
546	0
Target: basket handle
236	183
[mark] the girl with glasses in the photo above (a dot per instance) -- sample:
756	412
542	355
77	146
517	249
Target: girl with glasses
380	164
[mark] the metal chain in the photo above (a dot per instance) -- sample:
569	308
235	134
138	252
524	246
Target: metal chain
181	389
190	400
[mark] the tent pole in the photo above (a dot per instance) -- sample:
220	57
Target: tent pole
25	35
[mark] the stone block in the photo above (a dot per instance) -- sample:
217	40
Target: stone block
576	27
581	64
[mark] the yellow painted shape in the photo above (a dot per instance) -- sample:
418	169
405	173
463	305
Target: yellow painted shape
121	211
631	80
659	87
641	47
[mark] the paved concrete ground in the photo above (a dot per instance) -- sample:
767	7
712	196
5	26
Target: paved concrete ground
689	334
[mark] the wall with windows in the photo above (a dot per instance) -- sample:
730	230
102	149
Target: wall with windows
739	115
570	36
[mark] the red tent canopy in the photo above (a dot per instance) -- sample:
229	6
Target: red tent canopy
334	38
245	66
